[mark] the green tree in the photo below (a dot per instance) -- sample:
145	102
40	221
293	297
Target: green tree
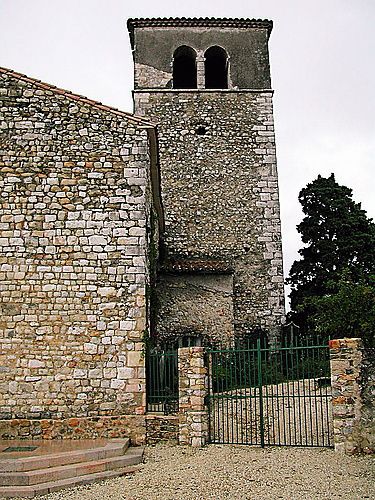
338	236
349	311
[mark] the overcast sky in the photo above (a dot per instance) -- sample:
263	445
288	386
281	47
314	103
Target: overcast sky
322	63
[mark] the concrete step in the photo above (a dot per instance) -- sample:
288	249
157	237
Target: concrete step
132	456
113	448
51	486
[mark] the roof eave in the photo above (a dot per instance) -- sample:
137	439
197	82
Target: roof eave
160	22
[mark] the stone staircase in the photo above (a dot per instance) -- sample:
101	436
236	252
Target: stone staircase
35	474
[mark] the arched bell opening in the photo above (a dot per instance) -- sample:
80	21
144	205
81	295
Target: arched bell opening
184	68
216	68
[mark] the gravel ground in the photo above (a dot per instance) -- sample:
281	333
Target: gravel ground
237	472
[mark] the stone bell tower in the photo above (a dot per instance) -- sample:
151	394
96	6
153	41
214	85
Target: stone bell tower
206	84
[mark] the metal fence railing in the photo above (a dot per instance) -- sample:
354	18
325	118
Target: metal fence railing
162	380
270	395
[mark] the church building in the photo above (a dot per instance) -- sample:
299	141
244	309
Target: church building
115	226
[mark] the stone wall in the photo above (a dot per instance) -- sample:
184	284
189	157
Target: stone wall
162	428
123	426
74	211
220	191
353	396
198	305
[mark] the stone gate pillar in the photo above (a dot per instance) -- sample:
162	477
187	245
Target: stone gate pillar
352	397
193	382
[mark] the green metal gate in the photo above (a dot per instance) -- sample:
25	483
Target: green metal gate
278	396
162	379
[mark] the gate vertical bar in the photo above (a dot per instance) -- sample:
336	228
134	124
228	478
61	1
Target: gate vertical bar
210	401
260	389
